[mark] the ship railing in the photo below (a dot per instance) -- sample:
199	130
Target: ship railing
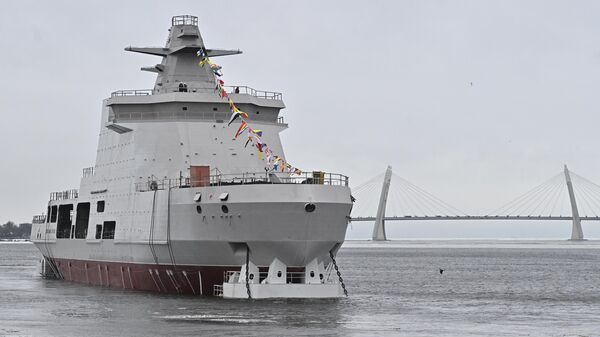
39	219
138	92
232	276
184	20
88	172
162	184
245	90
64	195
218	290
311	178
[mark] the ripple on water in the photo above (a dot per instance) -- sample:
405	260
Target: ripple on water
221	319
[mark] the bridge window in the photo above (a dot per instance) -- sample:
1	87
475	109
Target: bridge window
63	227
53	213
82	220
98	232
100	206
108	232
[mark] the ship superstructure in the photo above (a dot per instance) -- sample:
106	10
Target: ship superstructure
174	203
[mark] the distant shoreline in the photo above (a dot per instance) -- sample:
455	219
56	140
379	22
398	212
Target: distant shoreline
475	244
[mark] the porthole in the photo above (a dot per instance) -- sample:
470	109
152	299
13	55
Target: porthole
251	276
199	209
279	273
225	209
310	207
312	273
321	276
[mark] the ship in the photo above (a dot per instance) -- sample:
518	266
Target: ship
176	204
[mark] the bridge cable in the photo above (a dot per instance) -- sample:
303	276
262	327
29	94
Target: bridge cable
586	194
530	207
421	201
545	198
430	198
592	188
516	203
369	201
525	199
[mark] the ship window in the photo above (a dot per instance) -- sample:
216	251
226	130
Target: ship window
82	219
53	213
199	209
100	206
98	232
215	109
63	227
184	108
225	209
48	216
108	231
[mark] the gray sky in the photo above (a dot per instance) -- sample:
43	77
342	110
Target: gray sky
367	84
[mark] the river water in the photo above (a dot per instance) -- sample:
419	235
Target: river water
488	288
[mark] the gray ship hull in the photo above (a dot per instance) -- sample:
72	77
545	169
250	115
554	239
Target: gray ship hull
176	249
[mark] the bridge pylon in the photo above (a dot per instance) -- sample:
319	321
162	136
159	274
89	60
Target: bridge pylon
576	231
379	228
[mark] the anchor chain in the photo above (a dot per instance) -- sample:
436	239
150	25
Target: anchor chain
247	266
338	274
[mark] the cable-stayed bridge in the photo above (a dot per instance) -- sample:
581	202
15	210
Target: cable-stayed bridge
388	197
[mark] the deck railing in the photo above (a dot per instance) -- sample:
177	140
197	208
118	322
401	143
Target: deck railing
138	92
242	90
184	20
88	172
232	276
64	195
38	219
312	178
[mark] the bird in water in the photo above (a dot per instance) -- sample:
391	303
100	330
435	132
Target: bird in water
441	271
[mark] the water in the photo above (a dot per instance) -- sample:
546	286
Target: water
492	288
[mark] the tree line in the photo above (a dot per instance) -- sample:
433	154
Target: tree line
12	231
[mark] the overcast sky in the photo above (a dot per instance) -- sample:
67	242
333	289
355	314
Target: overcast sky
473	101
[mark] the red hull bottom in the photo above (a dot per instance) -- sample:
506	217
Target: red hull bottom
189	280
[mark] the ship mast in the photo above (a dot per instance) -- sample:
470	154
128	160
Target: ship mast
179	63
